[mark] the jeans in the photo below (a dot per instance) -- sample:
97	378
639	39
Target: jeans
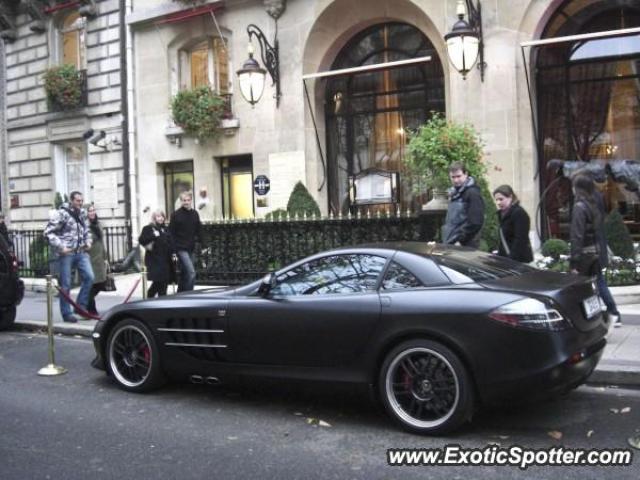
603	290
187	272
66	263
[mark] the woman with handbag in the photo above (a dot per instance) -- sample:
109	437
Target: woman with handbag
98	255
589	254
514	226
158	245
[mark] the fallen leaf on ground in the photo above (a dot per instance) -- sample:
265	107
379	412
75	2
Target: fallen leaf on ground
634	442
555	434
322	423
589	433
625	410
614	410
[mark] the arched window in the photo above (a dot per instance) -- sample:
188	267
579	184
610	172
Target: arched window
368	114
73	37
588	98
205	63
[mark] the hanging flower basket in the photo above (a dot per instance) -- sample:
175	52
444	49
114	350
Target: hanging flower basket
64	87
199	112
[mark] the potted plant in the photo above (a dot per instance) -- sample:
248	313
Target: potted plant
198	112
436	145
63	86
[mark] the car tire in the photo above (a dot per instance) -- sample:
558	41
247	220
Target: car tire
7	317
425	387
133	358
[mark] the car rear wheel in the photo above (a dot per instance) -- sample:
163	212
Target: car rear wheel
133	358
425	387
7	317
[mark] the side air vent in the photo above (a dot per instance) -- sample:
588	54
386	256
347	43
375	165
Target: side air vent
200	338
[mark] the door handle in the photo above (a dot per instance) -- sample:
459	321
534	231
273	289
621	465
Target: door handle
385	301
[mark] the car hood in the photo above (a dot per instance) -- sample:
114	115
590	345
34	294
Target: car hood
567	290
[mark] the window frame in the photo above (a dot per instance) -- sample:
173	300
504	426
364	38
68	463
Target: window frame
62	170
81	40
374	289
213	71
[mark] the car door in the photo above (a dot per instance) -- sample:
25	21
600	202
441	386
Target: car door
319	313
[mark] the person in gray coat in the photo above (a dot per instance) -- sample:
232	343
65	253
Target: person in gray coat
98	255
465	214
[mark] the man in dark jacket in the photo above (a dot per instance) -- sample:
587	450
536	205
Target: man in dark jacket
185	228
465	215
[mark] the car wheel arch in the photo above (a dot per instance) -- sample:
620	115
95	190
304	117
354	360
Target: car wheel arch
112	323
393	342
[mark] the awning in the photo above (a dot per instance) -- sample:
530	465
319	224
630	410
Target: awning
191	13
349	71
548	42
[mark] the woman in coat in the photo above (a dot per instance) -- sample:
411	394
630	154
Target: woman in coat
98	255
589	255
156	240
514	226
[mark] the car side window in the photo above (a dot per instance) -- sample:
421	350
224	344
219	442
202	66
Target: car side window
398	277
335	274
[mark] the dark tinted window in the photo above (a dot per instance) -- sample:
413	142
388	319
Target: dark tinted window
465	267
399	277
331	275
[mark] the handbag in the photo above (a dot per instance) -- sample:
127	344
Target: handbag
110	282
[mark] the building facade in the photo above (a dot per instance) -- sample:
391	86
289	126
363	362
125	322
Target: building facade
549	90
57	144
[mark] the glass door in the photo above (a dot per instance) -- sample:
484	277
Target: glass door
237	187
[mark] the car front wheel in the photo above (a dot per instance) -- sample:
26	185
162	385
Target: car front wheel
425	387
133	358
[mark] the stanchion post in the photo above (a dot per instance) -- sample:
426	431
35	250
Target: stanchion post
51	369
144	281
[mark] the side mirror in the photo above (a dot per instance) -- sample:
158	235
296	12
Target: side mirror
268	282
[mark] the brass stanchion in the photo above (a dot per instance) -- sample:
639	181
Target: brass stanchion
144	281
51	369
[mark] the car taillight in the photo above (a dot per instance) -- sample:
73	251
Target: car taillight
530	313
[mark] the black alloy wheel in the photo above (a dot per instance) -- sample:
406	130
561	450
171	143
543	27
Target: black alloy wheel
133	358
425	387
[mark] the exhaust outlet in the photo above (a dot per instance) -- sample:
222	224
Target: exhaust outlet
196	379
213	381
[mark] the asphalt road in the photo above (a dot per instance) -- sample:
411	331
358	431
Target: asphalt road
80	425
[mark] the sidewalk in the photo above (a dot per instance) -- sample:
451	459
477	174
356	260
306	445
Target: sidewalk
620	364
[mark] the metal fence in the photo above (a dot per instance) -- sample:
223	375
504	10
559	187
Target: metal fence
32	249
239	252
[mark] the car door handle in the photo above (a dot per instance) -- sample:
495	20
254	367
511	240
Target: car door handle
385	301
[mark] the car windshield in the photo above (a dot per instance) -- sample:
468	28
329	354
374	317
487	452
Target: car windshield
474	266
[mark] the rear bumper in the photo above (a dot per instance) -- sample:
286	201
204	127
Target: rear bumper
554	380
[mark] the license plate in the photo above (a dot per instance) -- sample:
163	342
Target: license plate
591	306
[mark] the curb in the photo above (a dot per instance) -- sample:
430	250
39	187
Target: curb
622	377
72	329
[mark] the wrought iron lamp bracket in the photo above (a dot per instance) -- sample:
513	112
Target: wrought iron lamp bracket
269	55
475	22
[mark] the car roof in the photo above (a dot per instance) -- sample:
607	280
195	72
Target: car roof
419	248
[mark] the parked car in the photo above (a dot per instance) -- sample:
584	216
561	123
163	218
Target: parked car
11	287
434	330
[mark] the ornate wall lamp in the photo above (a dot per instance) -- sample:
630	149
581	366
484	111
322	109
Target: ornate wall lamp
252	76
465	44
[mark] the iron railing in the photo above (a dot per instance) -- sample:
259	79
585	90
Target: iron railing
241	251
36	258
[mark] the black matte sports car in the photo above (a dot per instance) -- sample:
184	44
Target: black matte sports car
433	330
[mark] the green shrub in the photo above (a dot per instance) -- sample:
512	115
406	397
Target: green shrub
278	214
554	247
199	112
618	236
301	203
63	86
39	256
